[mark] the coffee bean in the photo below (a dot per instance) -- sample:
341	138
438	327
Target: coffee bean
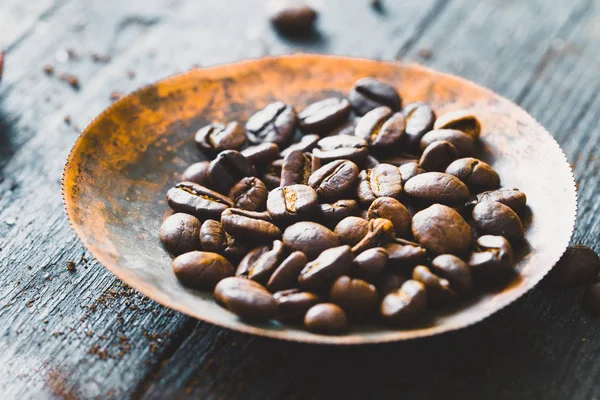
513	198
333	213
197	173
249	194
249	226
474	173
380	231
382	181
332	180
179	233
272	176
455	270
286	274
249	260
406	304
294	19
461	120
419	120
579	265
265	265
392	209
324	115
437	187
214	239
441	230
261	154
410	170
201	202
369	264
351	230
330	264
218	137
228	168
370	93
246	298
294	303
274	124
438	289
497	219
390	282
493	257
201	270
326	318
437	156
341	147
306	143
398	159
292	203
355	296
591	299
403	255
464	144
381	128
296	168
310	238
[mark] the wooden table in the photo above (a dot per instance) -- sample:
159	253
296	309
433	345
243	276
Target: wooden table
70	329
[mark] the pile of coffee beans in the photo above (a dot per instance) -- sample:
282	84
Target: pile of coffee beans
353	209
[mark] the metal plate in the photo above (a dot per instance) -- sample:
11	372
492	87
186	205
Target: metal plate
120	168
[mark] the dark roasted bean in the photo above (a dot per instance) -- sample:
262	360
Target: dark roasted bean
310	238
369	264
296	168
455	270
579	265
441	230
249	259
197	173
201	270
326	318
214	238
437	156
382	181
294	19
249	226
249	194
493	258
201	202
437	187
438	289
246	298
513	198
306	143
218	137
497	219
294	303
332	180
341	147
286	274
461	120
179	233
330	264
370	93
292	203
265	265
591	299
403	255
381	128
419	120
261	154
392	209
464	144
351	230
333	213
406	304
355	296
228	168
474	173
272	176
275	123
324	115
410	170
380	231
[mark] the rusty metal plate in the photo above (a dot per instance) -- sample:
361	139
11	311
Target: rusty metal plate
120	168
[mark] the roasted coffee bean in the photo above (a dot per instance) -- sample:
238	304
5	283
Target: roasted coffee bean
197	173
249	260
310	238
392	209
294	303
441	230
246	298
410	170
201	270
249	194
437	187
272	176
228	168
201	202
497	219
249	226
591	299
274	124
326	318
493	258
579	265
381	128
296	168
513	198
406	304
294	19
390	282
371	162
474	173
330	264
333	213
286	274
438	289
382	181
292	203
214	239
306	143
355	296
218	137
324	115
380	231
261	154
464	144
265	265
455	270
461	120
437	156
351	230
369	264
332	180
399	159
403	255
179	233
340	147
419	120
370	93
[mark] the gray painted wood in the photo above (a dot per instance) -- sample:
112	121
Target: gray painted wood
68	334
